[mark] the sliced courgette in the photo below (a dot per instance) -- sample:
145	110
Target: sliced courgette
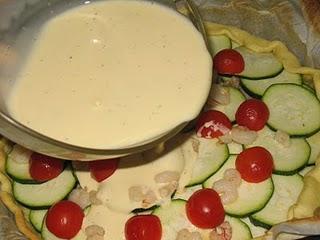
45	194
218	43
314	142
208	157
309	88
36	218
240	230
173	218
287	159
286	192
252	196
256	231
17	164
304	171
293	109
257	88
259	65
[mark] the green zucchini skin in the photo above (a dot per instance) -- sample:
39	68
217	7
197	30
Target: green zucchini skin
293	109
43	195
286	192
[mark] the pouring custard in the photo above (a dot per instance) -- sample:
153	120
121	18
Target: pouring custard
112	74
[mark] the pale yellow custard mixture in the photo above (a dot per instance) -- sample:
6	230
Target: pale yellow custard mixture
112	74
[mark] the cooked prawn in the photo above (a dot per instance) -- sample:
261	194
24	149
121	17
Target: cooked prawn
185	234
227	191
222	232
232	175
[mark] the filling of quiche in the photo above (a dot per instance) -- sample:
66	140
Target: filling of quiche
250	163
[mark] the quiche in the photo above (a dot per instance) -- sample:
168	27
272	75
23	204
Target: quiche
164	182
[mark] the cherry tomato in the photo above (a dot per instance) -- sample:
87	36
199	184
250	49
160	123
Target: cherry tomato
44	168
64	219
253	114
212	124
102	169
255	164
143	227
228	61
204	209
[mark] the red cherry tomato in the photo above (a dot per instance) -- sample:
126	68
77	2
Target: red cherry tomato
64	219
143	227
212	124
255	164
44	168
102	169
204	209
253	114
228	61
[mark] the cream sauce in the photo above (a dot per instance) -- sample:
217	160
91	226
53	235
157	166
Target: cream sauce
111	221
112	74
134	170
138	169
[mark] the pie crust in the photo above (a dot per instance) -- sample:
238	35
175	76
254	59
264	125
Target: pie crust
306	204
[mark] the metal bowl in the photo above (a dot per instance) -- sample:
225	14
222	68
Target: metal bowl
15	15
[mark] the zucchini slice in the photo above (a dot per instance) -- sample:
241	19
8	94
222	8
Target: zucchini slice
256	231
252	196
218	43
286	192
314	142
240	229
17	164
236	98
259	65
287	160
210	156
45	194
293	109
36	218
173	218
257	88
307	169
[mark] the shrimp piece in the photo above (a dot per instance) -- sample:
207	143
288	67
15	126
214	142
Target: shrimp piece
227	191
222	232
136	193
167	176
219	95
232	175
283	138
226	138
93	198
243	135
232	82
185	234
149	199
168	190
80	196
94	230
